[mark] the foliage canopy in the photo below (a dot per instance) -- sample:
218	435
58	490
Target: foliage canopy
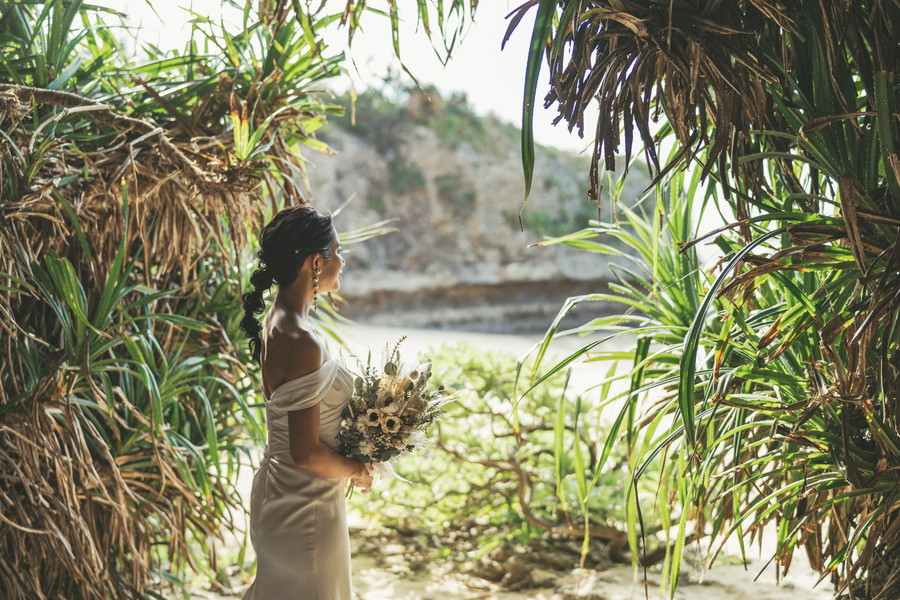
772	377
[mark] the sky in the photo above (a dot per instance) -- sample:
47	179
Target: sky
492	80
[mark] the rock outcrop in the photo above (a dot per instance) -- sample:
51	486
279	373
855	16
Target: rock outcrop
453	183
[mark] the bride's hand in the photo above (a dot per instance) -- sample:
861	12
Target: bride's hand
362	479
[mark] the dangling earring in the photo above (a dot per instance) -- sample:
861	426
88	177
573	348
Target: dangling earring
316	271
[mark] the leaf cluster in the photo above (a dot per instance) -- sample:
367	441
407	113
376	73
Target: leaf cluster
740	409
775	386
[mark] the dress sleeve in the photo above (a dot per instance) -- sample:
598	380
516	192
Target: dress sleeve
305	391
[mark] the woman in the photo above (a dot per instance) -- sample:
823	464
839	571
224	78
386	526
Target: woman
298	523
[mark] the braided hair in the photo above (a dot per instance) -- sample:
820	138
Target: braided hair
294	234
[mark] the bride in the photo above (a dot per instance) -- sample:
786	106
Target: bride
298	523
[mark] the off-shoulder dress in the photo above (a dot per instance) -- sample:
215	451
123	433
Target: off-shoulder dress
298	521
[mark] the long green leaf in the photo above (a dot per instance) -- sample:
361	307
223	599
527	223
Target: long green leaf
543	24
686	393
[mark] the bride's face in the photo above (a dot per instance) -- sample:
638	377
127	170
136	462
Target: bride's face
329	278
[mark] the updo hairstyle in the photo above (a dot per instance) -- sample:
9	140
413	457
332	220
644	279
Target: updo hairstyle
294	234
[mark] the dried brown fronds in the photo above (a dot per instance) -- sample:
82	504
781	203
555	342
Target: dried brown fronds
122	228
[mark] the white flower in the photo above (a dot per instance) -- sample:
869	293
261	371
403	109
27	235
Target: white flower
416	438
400	444
360	425
366	448
390	424
387	402
373	417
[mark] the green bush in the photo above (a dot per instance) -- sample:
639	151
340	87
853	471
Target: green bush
405	177
487	449
451	189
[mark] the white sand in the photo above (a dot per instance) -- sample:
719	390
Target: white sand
618	583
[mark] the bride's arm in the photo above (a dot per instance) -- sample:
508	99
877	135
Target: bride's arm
295	354
309	453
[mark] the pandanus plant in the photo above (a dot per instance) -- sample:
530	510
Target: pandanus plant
131	182
779	401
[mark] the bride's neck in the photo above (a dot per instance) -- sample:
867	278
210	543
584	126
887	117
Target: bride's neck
294	301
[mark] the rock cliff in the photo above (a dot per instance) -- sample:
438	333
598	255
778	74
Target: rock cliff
453	182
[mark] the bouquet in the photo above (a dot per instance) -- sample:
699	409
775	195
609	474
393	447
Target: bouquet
389	411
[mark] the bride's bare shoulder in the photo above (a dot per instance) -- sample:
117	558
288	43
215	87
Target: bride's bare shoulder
292	351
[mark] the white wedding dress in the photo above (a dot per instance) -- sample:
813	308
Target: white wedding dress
298	521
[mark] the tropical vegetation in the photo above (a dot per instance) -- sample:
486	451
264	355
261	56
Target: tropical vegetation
132	178
767	391
764	387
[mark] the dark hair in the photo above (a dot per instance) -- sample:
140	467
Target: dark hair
294	234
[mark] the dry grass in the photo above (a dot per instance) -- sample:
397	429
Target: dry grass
125	219
88	492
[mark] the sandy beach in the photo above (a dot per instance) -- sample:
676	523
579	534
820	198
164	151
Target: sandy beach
374	582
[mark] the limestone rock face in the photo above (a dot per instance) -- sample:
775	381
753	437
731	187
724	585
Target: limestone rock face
455	207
